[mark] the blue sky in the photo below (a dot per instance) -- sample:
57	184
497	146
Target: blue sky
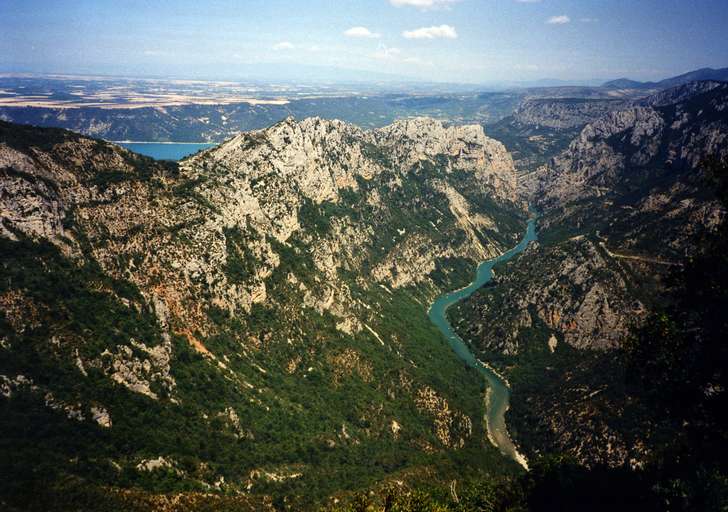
437	40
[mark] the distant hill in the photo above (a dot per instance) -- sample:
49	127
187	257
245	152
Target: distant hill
624	83
699	74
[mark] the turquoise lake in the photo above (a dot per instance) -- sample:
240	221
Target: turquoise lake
498	395
167	150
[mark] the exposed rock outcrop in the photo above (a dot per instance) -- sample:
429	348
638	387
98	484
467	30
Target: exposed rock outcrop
565	113
280	278
621	206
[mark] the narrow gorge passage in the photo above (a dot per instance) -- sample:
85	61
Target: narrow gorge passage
498	393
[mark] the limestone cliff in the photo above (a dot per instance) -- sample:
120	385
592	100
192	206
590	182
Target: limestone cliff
268	296
620	207
565	113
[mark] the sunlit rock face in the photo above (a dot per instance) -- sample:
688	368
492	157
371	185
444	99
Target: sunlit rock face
620	208
283	274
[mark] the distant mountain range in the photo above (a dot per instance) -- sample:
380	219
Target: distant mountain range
698	74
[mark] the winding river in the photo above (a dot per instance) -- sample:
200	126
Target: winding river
498	393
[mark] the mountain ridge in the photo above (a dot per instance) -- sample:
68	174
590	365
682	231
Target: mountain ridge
720	74
266	297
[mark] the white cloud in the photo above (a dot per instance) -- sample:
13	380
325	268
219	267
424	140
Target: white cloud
283	45
443	31
424	5
361	32
558	20
386	53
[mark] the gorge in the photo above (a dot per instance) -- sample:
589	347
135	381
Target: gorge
267	324
497	394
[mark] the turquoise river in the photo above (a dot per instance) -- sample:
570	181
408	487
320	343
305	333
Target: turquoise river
498	393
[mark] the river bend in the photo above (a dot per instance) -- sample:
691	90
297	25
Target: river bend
498	393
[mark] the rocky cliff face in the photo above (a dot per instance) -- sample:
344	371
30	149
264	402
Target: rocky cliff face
565	113
680	93
642	166
257	185
467	147
620	207
628	191
542	126
269	293
574	290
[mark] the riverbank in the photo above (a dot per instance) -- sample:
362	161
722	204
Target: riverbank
497	398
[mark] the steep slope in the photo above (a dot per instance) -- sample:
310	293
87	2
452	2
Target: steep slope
634	174
543	126
565	113
621	206
252	320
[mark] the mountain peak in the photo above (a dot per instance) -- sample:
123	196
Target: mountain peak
323	155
